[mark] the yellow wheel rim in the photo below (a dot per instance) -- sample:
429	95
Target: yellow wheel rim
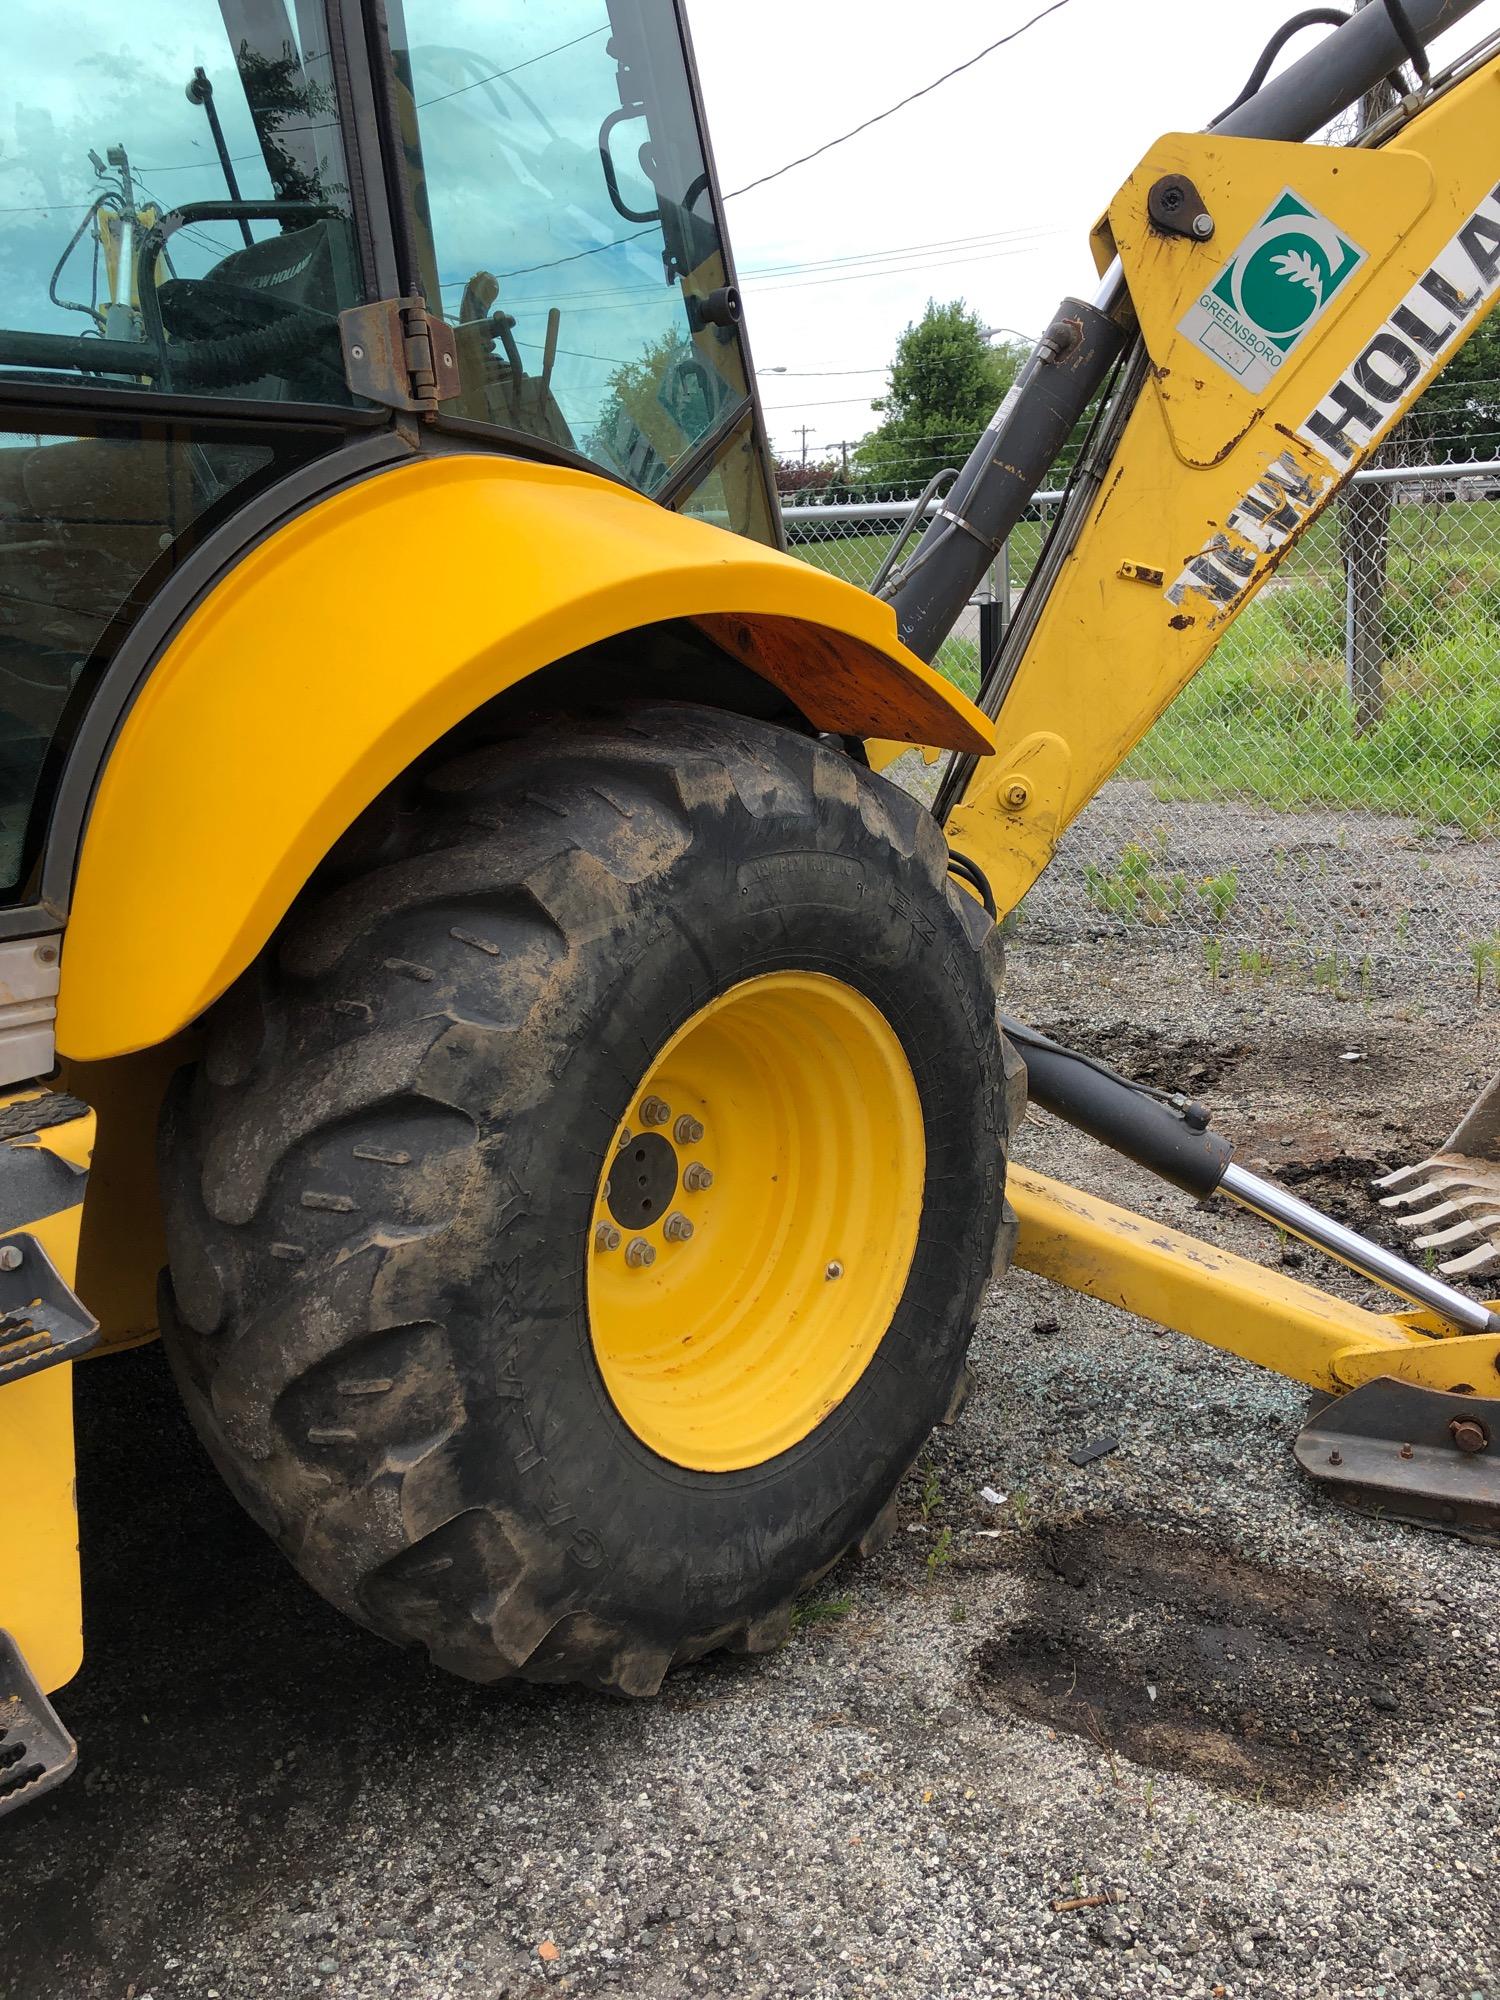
753	1230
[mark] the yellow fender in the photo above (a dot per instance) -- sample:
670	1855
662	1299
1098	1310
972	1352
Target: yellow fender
356	635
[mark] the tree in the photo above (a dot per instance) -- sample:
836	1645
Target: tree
1459	416
946	382
817	478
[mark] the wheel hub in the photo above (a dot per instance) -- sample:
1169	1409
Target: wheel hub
642	1180
755	1225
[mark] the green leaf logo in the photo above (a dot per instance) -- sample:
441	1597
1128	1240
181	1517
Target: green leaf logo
1300	268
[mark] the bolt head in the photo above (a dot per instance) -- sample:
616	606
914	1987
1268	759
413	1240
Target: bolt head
46	954
606	1237
687	1131
1017	795
639	1253
10	1257
655	1111
834	1270
624	1139
1468	1434
1335	1458
696	1177
357	353
1203	227
677	1228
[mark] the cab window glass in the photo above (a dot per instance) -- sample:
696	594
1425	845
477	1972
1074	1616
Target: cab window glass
174	202
89	525
564	220
733	494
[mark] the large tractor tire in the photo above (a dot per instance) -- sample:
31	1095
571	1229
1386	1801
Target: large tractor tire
579	1216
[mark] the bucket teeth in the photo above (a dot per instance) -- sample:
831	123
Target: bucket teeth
1453	1183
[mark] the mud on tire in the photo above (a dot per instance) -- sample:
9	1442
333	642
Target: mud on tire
380	1180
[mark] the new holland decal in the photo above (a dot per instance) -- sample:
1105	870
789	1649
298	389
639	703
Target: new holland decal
1394	364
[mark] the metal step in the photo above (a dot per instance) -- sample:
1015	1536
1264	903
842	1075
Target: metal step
36	1752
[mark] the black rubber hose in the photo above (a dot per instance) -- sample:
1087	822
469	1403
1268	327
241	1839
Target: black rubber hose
242	357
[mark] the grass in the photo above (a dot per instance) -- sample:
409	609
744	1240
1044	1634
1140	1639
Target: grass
1268	718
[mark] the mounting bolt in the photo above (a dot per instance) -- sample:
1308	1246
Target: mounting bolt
10	1257
606	1237
654	1111
696	1177
1017	794
624	1139
46	954
834	1270
1469	1434
1407	1451
1203	226
639	1253
687	1131
1335	1458
677	1228
357	353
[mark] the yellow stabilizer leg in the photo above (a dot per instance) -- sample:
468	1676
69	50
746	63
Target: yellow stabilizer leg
1161	1274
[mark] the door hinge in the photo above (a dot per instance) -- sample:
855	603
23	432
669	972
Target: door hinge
398	354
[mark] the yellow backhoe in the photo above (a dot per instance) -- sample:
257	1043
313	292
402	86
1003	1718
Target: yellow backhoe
464	981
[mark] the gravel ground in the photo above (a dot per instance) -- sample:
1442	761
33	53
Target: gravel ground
1168	1723
1382	901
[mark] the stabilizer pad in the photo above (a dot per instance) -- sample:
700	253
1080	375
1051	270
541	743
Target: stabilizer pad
1410	1453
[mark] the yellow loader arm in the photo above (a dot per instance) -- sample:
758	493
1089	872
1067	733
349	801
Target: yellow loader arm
1238	437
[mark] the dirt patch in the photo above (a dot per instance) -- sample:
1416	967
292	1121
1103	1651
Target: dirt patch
1183	1656
1166	1062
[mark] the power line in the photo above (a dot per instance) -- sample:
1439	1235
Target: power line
776	172
900	105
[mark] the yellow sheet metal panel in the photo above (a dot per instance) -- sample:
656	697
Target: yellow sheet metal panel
352	638
1090	1245
40	1596
122	1247
1214	480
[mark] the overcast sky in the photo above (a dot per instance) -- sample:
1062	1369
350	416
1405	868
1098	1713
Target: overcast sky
1006	166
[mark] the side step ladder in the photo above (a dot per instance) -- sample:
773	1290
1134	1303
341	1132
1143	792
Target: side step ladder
36	1752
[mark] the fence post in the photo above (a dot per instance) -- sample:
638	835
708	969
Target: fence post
1364	537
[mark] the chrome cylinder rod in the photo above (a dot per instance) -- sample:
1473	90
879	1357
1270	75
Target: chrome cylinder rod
1371	1260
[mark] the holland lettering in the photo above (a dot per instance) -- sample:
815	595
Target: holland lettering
1367	397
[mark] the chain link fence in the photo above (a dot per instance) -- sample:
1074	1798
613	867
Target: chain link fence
1324	797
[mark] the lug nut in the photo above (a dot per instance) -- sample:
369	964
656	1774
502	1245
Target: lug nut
834	1270
677	1228
654	1111
639	1253
624	1139
696	1177
606	1237
687	1131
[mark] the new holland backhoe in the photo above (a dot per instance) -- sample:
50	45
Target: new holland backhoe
463	978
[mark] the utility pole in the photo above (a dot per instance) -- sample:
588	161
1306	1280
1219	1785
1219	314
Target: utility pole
802	432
